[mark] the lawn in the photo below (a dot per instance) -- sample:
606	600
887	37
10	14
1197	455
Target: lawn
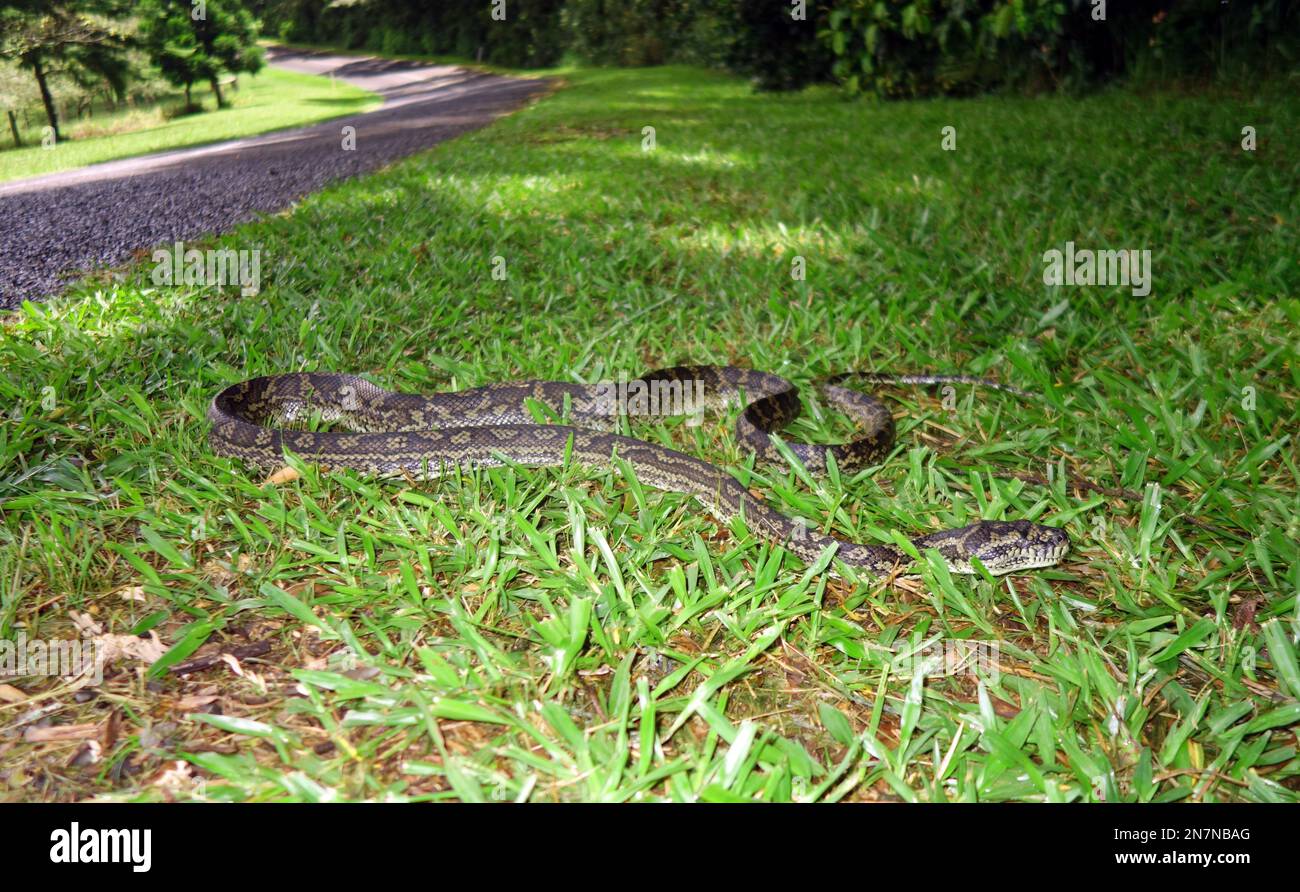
568	634
269	100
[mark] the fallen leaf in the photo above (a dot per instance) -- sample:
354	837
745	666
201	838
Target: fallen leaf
61	732
35	714
134	593
1003	709
115	647
1244	616
85	624
284	475
362	673
87	754
178	777
108	736
11	694
157	735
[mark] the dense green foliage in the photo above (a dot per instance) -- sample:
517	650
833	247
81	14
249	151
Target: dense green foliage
926	47
187	47
754	37
572	633
646	32
778	50
83	40
888	47
526	33
100	49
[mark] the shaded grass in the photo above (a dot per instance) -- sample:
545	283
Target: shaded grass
269	100
569	634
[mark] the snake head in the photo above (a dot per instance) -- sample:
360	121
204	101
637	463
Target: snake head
1002	546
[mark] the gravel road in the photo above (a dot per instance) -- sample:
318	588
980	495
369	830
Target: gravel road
55	226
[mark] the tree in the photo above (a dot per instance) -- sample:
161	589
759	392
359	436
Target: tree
73	36
197	40
167	38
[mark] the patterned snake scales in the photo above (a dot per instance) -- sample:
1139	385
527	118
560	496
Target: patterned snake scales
393	433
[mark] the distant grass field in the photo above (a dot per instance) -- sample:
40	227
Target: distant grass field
269	100
572	635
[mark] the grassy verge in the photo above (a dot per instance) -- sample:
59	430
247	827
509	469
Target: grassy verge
569	634
270	100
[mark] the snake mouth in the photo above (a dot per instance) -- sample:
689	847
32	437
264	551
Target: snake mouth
1048	546
1015	546
1044	559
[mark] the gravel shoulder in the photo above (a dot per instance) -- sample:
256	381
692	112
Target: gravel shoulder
54	227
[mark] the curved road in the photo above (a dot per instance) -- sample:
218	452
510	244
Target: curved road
56	226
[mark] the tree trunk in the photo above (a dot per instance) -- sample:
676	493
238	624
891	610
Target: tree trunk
39	70
13	127
188	103
216	89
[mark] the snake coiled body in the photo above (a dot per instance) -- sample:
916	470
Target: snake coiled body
394	433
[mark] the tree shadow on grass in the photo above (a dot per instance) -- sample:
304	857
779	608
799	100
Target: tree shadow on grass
590	228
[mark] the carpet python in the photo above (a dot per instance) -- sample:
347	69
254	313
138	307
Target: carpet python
389	433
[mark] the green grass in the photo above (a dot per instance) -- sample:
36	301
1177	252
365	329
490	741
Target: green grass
568	634
271	100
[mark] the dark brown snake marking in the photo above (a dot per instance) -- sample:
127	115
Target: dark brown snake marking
392	433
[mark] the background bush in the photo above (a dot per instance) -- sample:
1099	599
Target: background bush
754	37
928	47
778	51
529	37
891	48
634	32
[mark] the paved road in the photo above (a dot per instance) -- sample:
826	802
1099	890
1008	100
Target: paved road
55	226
